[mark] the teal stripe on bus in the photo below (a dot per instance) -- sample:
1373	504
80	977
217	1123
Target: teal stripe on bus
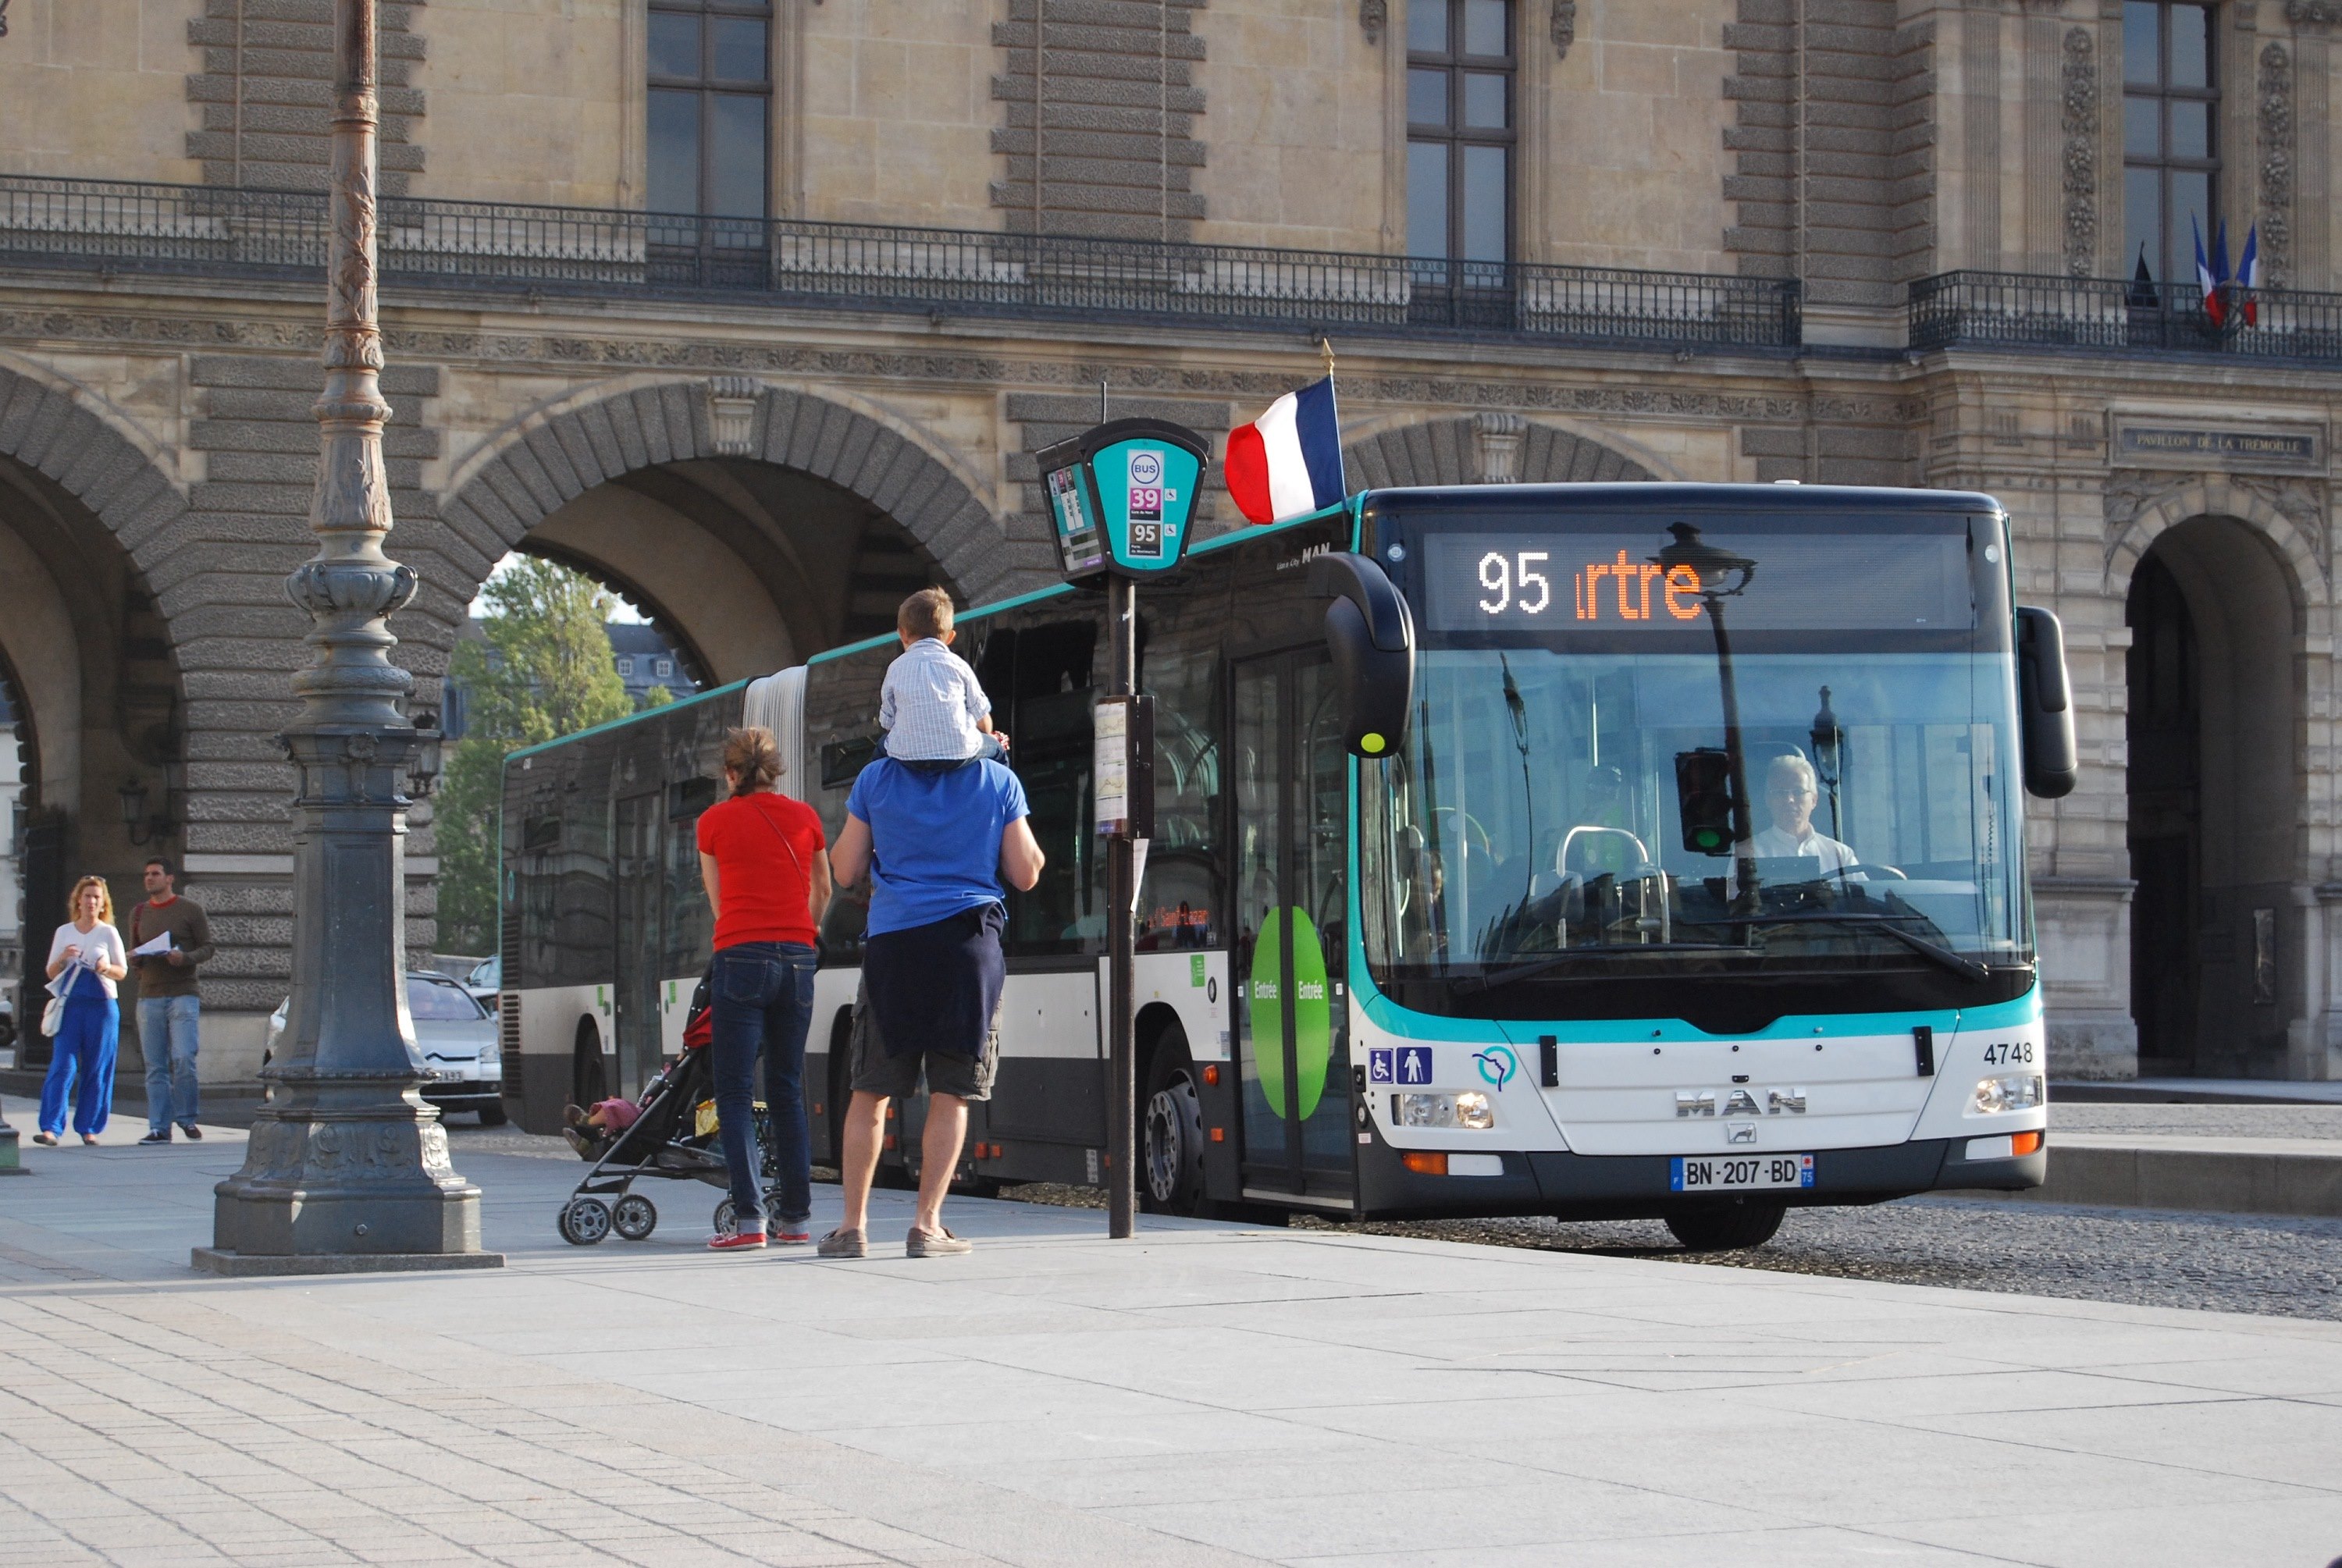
628	719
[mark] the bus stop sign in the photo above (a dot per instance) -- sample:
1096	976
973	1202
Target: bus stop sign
1121	496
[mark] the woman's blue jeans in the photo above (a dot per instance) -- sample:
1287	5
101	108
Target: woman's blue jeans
763	1001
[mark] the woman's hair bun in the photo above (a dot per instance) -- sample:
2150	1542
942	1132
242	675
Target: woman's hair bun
753	758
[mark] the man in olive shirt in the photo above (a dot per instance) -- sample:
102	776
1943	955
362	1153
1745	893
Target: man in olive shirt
169	1008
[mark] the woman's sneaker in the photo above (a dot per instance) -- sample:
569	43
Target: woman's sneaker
844	1244
736	1241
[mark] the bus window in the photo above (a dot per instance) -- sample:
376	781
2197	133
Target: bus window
1047	701
1179	901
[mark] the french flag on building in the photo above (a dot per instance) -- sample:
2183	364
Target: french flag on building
1288	462
2208	280
2248	275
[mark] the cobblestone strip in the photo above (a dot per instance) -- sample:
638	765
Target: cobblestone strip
132	1433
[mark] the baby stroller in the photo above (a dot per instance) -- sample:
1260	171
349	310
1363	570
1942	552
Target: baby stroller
674	1139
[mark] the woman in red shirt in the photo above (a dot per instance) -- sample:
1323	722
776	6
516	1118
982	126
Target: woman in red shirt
766	869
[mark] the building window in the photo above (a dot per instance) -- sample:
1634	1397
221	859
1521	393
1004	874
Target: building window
2171	119
625	666
1460	87
665	668
711	97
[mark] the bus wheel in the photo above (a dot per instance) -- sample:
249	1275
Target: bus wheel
1744	1224
587	1086
1171	1154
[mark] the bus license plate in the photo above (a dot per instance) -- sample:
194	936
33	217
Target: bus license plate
1740	1173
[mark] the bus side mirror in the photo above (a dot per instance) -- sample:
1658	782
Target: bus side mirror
2045	698
1371	638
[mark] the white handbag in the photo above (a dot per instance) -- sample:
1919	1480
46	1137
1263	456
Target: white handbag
53	1016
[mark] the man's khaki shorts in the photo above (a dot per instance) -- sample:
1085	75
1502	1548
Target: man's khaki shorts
897	1077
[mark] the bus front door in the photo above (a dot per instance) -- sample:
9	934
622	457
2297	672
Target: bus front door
636	887
1292	831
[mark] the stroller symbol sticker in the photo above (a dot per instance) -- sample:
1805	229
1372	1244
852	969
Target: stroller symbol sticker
1498	1064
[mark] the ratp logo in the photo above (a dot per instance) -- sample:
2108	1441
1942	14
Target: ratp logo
1498	1064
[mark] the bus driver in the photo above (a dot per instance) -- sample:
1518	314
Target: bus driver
1791	791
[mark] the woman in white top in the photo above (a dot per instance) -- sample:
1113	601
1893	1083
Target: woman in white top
86	956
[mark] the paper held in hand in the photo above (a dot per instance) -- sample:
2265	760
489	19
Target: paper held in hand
155	949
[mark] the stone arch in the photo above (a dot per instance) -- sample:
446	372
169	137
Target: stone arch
92	452
2221	581
1485	448
544	461
2287	520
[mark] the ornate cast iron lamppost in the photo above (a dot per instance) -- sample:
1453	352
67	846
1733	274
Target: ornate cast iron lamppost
347	1169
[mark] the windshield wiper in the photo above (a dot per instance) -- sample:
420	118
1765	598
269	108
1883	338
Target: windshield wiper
1960	964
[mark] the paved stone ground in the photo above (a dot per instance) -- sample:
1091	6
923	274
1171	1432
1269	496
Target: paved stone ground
1205	1395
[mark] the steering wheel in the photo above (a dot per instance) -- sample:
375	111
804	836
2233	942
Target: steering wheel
1890	872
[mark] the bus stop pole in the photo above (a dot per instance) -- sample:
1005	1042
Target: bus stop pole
1122	896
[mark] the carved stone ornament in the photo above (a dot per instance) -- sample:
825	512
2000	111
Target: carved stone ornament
2300	502
4	18
1374	16
2129	493
2313	13
2276	122
1565	27
1496	447
732	415
2078	106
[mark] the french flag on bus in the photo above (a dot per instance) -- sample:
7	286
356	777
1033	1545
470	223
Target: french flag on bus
1288	462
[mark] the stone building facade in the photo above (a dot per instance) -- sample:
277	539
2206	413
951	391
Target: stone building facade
1875	241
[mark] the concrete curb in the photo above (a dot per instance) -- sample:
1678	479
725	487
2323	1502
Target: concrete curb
2283	1176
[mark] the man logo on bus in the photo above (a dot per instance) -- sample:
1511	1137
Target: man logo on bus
1498	1064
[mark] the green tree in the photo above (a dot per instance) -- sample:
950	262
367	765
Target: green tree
543	671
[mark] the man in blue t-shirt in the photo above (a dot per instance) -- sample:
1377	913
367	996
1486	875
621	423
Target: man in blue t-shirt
936	845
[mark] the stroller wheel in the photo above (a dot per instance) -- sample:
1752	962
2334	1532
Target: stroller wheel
584	1221
726	1221
634	1217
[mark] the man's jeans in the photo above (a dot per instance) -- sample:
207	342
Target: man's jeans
170	1068
762	999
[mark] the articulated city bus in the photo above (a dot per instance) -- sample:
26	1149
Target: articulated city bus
1693	885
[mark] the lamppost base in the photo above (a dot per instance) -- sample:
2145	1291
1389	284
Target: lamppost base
345	1172
9	1164
257	1265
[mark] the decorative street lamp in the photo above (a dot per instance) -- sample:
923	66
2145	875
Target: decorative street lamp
347	1168
1724	576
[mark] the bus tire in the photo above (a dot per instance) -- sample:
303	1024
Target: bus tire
1171	1137
1747	1223
587	1083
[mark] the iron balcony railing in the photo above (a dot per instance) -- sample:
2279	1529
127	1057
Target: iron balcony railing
128	227
2109	315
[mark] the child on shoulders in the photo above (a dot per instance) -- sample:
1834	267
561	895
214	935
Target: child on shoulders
931	707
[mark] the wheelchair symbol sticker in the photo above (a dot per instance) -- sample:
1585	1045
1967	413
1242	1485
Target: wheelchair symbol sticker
1400	1064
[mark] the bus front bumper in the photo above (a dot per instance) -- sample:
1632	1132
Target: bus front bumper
1638	1187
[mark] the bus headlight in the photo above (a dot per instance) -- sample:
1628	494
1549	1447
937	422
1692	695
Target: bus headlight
1470	1110
1994	1096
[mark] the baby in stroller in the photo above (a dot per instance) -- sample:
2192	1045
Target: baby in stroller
668	1135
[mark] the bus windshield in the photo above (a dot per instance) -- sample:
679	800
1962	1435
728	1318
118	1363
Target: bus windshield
1559	838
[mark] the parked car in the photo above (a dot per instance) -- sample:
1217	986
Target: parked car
486	982
7	1022
457	1038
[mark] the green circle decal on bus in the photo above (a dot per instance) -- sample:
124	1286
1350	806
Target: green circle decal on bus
1313	1013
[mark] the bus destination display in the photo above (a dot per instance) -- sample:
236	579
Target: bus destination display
1617	582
